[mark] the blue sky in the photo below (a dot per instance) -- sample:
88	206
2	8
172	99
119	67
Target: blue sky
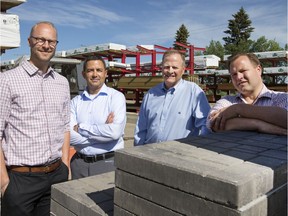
132	22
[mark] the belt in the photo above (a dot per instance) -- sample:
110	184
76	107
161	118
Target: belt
41	169
94	158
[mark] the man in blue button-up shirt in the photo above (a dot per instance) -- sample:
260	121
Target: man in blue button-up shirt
173	109
98	118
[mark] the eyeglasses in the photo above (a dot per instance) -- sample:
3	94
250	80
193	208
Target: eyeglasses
41	41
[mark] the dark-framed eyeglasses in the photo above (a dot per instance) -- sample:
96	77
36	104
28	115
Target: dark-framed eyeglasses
41	41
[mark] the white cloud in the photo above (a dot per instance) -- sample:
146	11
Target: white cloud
131	22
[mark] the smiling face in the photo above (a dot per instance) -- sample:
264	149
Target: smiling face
95	75
42	53
246	76
173	68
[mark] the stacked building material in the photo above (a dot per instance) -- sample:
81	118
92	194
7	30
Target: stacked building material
232	173
10	30
90	196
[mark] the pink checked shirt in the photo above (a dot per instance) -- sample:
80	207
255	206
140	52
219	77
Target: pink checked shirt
34	115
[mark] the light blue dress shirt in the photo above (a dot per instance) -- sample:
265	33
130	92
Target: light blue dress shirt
90	112
172	114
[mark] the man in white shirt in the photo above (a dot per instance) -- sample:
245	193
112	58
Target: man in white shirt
98	118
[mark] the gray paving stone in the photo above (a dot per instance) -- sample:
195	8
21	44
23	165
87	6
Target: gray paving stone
235	185
240	154
274	203
167	197
121	212
279	166
57	210
139	206
86	196
267	145
252	149
226	145
236	178
278	154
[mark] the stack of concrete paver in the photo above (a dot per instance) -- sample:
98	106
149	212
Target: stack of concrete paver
223	174
90	196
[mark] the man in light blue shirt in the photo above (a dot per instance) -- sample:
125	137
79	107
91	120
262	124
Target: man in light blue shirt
173	109
98	118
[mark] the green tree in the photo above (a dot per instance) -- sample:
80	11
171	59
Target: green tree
182	35
215	48
239	31
262	45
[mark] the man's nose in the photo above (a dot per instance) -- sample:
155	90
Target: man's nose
46	44
239	76
170	69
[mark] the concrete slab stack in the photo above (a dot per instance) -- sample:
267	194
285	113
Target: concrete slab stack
231	173
90	196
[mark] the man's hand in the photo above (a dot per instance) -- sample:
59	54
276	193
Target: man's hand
4	178
110	118
3	188
216	118
220	117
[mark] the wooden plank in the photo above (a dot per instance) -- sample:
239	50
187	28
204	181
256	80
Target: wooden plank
283	88
225	86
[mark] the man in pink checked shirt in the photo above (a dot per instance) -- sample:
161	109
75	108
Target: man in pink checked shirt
34	128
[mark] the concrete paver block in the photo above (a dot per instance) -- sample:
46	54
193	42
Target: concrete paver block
227	180
139	206
121	212
87	196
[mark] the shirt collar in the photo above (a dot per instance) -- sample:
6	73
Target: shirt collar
32	69
264	93
174	88
103	91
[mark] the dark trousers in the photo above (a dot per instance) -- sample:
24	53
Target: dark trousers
29	194
81	169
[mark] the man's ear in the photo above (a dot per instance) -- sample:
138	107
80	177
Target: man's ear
29	42
259	69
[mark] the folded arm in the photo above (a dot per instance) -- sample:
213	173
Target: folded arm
247	124
265	116
112	129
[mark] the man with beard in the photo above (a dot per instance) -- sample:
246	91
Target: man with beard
34	128
173	109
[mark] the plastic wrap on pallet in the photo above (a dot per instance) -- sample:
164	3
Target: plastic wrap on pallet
267	55
10	31
95	48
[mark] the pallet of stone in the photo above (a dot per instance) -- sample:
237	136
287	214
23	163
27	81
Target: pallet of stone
214	175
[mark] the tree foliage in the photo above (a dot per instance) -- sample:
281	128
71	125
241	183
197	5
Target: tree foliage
239	31
182	35
215	48
238	39
262	45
